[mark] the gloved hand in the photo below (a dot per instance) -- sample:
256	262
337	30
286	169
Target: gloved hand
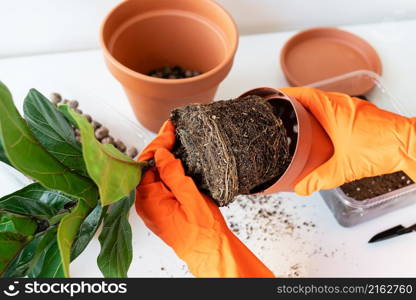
187	220
367	141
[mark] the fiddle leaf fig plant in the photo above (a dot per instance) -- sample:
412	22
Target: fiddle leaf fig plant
77	187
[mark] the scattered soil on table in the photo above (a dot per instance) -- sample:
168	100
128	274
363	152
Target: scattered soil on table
371	187
265	219
231	147
175	72
268	223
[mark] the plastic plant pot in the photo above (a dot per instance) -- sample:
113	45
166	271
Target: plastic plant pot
139	36
313	146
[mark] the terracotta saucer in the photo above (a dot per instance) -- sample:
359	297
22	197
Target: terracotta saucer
324	52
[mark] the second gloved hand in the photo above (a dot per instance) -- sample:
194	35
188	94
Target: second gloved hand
367	141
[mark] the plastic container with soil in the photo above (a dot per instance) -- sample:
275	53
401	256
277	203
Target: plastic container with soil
368	198
140	37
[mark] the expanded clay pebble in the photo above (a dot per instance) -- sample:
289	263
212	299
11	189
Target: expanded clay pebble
56	98
77	134
132	152
96	124
88	117
101	133
120	145
73	104
107	140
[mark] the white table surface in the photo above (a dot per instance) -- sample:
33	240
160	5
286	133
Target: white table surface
327	250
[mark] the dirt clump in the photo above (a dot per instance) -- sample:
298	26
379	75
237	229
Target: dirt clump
231	147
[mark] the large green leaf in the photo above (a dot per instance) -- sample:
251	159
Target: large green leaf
11	243
29	258
53	131
28	156
10	222
115	239
114	173
51	265
36	200
3	156
67	232
87	230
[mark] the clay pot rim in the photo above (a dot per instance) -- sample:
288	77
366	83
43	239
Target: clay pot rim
138	75
292	81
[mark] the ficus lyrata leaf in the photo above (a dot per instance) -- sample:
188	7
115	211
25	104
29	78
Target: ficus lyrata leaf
114	173
116	239
53	131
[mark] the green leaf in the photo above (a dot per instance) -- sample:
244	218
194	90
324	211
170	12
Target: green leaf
28	156
87	230
115	239
67	232
32	253
57	218
11	243
51	264
24	225
3	156
114	173
15	232
63	108
36	200
53	131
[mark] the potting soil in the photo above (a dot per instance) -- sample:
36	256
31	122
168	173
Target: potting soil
371	187
231	147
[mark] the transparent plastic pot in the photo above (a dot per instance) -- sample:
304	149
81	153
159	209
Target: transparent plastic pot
348	211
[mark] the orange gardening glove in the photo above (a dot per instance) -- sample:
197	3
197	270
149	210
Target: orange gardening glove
187	220
367	141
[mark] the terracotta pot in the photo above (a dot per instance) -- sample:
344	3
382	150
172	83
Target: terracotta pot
313	146
138	36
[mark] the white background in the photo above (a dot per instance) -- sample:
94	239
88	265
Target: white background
45	26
